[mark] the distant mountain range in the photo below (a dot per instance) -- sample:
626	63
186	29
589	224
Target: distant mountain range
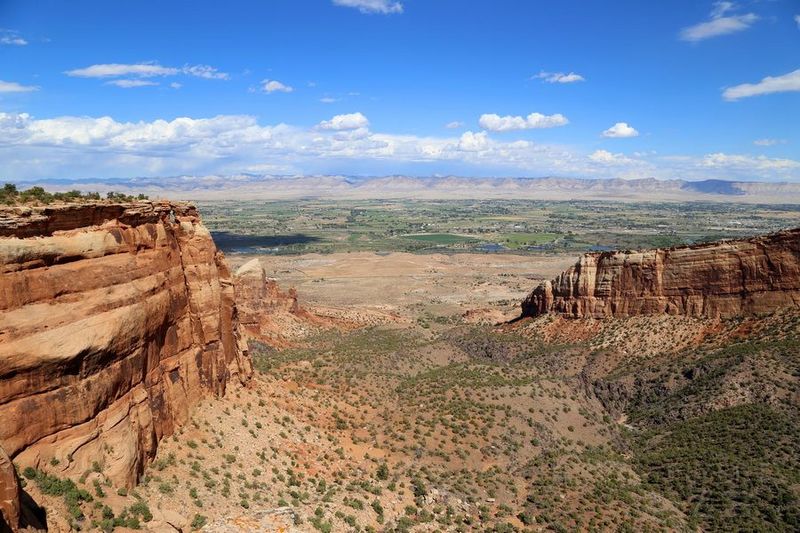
252	187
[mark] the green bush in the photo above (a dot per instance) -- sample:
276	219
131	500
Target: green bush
199	521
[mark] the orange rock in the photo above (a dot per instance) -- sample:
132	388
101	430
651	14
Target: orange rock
115	319
267	313
723	279
9	494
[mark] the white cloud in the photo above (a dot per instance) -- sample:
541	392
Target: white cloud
12	38
720	24
559	77
349	121
620	130
769	142
454	125
271	86
746	162
605	157
205	71
229	144
473	142
494	122
797	20
14	87
130	84
115	70
145	70
384	7
175	85
778	84
328	100
720	8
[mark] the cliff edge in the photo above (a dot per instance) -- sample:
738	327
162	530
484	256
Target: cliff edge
115	319
715	280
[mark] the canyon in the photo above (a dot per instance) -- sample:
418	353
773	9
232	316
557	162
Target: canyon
713	280
115	320
140	364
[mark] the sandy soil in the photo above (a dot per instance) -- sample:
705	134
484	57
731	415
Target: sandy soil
403	282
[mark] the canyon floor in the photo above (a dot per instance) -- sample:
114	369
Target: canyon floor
414	405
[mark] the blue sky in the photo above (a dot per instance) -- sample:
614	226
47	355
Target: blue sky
679	89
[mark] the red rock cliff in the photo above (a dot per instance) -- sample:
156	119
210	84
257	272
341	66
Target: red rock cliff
114	321
722	279
267	313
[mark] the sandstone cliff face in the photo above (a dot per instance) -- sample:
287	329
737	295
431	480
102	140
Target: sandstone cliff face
723	279
114	321
9	493
266	312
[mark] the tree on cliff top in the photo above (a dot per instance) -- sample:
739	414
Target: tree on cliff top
9	194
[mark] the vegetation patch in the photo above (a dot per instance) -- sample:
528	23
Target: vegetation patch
736	469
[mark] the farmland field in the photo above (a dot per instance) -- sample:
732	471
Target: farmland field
493	226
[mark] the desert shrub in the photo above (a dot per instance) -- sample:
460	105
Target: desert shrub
198	521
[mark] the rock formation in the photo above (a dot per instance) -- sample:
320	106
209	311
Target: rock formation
267	313
722	279
9	493
114	321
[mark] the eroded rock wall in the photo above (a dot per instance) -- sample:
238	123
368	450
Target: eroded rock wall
9	494
114	321
723	279
267	313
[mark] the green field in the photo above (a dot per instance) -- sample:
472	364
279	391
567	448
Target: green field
442	239
489	226
520	240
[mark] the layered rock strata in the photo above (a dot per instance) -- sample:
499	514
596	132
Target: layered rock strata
269	314
114	321
717	280
9	494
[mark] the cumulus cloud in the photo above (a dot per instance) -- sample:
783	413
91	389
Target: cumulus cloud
559	77
384	7
605	157
145	70
14	87
229	144
473	142
454	125
11	38
720	23
797	20
271	86
620	130
771	84
349	121
494	122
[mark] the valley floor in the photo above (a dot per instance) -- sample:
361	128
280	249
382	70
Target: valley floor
427	413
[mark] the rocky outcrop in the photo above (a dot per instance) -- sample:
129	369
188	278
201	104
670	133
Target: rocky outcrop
115	319
9	494
266	312
722	279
